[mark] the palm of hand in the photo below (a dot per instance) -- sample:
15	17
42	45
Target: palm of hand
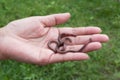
30	41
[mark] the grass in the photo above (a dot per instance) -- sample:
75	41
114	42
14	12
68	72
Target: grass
103	65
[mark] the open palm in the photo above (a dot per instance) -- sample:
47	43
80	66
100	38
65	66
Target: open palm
26	39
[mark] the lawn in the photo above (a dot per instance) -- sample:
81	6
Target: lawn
103	65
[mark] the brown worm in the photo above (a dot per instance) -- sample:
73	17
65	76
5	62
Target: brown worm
61	44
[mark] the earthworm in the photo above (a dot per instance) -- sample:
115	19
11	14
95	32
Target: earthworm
60	44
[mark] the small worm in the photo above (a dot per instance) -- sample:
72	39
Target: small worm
60	44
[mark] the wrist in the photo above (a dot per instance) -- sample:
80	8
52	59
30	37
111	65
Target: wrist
2	35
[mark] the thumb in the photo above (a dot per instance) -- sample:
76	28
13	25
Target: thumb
54	19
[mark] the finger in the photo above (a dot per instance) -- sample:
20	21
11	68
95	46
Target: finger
87	38
54	19
73	48
49	20
68	57
92	47
80	30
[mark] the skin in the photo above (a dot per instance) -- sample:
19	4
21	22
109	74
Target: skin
26	40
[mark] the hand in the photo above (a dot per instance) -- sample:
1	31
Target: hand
26	40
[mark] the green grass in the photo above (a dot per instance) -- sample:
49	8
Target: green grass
103	65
